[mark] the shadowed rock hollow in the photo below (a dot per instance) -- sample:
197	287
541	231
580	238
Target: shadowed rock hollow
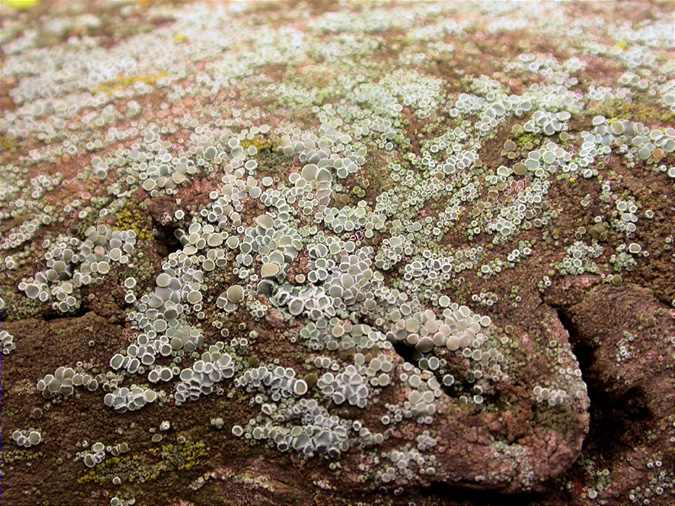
337	253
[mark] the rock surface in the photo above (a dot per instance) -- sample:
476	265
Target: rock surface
306	253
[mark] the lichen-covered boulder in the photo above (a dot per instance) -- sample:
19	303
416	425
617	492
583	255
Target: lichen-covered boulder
305	253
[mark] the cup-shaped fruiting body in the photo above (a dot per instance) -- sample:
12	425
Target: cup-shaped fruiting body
124	399
64	382
27	437
7	344
73	264
202	378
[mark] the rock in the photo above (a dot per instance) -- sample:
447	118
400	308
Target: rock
399	253
624	335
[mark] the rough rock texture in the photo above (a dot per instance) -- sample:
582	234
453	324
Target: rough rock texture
633	397
351	253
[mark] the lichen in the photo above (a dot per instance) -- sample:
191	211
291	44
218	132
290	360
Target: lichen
133	218
326	235
123	82
148	465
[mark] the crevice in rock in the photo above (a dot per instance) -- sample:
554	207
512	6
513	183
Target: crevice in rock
613	417
582	348
406	352
52	314
410	355
474	497
166	239
613	414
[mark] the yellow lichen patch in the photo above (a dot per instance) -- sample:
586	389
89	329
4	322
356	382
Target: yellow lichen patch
617	109
132	218
21	4
261	143
122	82
7	143
181	38
148	465
525	140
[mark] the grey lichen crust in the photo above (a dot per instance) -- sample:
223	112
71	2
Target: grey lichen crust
348	248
